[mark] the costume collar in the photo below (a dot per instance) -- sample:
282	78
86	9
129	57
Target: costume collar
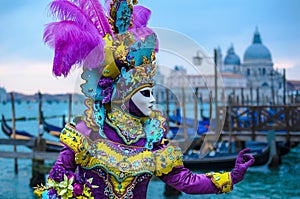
127	126
131	128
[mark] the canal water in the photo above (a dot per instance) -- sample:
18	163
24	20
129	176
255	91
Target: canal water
259	183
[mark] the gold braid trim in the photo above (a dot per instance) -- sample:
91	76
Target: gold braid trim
221	180
104	153
166	159
89	115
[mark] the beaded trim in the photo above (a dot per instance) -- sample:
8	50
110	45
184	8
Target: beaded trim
221	180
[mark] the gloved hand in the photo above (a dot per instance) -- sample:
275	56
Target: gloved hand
242	163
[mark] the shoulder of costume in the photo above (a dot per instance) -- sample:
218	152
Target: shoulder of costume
71	137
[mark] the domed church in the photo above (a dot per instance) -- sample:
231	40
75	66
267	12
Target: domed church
256	68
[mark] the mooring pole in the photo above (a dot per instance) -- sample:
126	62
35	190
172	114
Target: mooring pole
70	108
14	128
39	117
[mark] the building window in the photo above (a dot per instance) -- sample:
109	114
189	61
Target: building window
248	72
264	71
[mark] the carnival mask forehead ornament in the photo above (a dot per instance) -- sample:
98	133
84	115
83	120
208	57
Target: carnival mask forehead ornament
113	45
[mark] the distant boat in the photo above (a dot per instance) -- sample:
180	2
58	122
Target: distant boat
202	127
52	129
51	146
223	160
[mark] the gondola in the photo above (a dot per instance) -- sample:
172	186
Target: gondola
51	146
51	129
224	160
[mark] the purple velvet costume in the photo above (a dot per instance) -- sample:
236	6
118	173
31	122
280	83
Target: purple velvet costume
179	177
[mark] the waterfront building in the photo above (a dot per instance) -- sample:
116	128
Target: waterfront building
3	95
252	80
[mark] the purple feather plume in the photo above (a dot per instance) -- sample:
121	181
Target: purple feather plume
72	45
76	38
95	11
141	16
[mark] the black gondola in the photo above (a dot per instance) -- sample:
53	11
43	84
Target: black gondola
51	146
52	129
223	160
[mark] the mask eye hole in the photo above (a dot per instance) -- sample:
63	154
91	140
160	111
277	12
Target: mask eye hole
145	93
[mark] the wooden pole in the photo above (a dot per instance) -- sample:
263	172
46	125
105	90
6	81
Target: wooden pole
230	124
184	119
168	108
251	95
216	90
201	105
253	123
257	96
210	104
14	128
70	108
243	97
40	145
284	87
196	109
39	116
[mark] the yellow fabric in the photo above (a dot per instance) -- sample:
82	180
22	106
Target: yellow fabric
110	69
122	167
221	180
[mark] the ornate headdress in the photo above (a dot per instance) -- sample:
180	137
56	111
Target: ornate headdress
113	43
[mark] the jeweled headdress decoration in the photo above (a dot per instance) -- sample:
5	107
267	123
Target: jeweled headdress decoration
111	42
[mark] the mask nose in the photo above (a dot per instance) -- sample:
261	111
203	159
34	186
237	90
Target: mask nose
152	99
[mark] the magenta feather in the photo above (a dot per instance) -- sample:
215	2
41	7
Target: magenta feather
95	11
141	16
72	45
66	10
75	38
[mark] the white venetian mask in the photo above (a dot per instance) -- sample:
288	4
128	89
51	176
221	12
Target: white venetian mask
144	100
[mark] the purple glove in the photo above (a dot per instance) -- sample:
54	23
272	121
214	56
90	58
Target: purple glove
242	163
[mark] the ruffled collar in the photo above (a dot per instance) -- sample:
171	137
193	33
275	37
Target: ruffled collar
131	128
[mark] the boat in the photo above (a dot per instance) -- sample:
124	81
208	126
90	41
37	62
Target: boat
177	126
223	160
51	146
51	129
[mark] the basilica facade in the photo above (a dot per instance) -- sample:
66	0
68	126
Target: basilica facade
257	69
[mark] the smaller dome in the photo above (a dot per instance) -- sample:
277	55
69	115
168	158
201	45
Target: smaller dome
232	58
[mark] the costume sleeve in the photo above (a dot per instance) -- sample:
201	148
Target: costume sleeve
170	169
186	181
66	159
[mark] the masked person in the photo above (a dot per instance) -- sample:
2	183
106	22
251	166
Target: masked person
119	143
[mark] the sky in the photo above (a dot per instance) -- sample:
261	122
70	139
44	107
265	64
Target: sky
26	62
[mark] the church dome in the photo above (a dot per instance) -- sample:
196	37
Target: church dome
232	58
257	51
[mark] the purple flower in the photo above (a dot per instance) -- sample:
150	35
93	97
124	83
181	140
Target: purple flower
106	85
52	194
71	175
57	173
78	189
105	82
